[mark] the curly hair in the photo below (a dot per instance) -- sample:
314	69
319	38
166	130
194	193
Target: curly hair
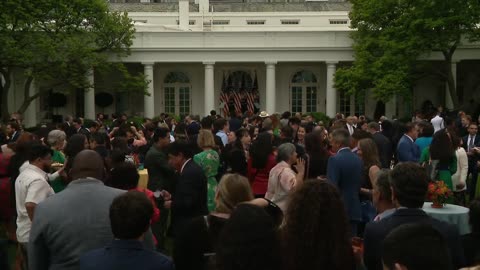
316	232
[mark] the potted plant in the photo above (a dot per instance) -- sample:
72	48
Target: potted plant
439	194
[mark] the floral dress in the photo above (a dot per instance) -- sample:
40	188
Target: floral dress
209	160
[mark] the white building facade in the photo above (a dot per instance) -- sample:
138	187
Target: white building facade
287	51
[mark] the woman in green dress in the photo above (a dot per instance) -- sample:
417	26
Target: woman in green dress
209	160
56	140
441	150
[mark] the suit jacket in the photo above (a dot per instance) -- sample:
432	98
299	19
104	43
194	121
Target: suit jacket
407	150
70	223
345	170
190	198
376	232
85	132
68	129
476	143
384	147
124	255
160	174
15	137
346	127
471	248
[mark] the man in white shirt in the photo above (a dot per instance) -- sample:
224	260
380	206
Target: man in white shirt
31	188
437	122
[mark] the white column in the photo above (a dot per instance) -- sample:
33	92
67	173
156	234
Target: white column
331	106
203	5
149	99
31	112
209	92
89	96
183	14
270	97
448	96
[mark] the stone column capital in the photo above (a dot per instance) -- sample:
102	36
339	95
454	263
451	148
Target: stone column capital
331	63
209	63
148	64
270	63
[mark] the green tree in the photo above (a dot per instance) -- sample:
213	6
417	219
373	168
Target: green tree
57	42
391	35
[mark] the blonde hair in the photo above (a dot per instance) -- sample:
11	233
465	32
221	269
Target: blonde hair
232	190
205	139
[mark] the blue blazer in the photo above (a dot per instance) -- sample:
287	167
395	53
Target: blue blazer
345	171
124	255
407	150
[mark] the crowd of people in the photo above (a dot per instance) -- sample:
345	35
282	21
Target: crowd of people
260	192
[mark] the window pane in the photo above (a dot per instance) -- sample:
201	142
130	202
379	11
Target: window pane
311	99
296	100
169	100
184	100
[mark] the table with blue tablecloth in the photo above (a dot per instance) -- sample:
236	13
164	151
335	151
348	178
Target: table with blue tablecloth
450	213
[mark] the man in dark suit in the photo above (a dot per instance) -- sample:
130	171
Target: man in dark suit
407	150
345	171
67	126
409	184
130	216
13	132
190	197
384	145
79	128
350	126
471	142
161	176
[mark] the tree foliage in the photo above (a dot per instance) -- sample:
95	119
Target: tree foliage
391	35
57	42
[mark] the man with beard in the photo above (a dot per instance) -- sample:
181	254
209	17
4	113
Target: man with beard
31	187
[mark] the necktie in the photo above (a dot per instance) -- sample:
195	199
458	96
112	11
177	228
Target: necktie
470	144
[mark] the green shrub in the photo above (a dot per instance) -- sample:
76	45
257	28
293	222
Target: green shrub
319	116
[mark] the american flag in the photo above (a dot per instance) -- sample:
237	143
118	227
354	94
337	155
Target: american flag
237	101
250	101
252	95
224	97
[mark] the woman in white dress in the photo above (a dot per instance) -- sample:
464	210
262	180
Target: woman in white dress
460	177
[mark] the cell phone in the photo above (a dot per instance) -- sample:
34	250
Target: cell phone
157	194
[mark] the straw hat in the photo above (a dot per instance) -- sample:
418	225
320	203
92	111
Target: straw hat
264	114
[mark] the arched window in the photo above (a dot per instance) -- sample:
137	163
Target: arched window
304	76
177	93
303	92
176	77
